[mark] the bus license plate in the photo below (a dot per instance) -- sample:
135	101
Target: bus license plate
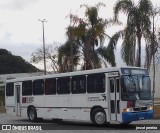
141	118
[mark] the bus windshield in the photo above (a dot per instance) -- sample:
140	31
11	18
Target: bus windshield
136	87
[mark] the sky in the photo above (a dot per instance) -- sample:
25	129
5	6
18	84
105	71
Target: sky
21	32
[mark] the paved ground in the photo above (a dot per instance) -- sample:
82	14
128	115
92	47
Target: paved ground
77	127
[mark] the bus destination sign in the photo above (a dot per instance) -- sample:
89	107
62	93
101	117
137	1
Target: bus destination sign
134	71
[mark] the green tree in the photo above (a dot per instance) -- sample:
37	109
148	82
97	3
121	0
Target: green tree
152	47
2	91
94	38
88	35
138	27
14	64
65	57
51	56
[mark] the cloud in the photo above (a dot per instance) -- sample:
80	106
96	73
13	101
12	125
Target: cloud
23	49
17	4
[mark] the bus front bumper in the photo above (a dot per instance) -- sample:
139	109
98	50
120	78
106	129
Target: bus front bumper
128	117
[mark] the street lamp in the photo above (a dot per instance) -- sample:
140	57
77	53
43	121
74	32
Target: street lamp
44	51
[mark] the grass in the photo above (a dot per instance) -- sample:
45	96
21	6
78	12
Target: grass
156	108
156	112
2	110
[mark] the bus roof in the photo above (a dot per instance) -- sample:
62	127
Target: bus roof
92	71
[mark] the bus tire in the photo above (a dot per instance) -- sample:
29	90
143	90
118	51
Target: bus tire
32	114
98	116
125	124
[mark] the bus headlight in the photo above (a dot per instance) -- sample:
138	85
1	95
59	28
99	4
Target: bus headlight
150	108
127	110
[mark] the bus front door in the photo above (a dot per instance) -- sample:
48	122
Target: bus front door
114	99
17	100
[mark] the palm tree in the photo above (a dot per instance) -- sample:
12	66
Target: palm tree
95	32
72	36
93	39
138	27
86	36
65	58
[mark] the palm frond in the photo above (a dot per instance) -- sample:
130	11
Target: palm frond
108	55
146	7
151	49
128	49
95	60
146	24
114	39
124	6
111	22
100	4
64	56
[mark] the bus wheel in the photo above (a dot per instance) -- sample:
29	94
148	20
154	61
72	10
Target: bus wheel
125	124
32	114
98	116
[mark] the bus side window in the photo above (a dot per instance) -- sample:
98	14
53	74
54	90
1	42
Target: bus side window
63	85
100	85
50	86
9	89
112	85
27	88
78	84
96	83
117	80
38	87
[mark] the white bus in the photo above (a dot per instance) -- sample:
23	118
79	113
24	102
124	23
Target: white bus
116	94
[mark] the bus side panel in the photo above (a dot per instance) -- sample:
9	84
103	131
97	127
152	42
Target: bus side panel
80	110
56	106
98	99
76	114
10	102
83	104
123	105
24	112
10	105
39	105
64	103
26	101
51	107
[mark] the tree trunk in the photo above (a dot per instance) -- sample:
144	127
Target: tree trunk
139	52
71	59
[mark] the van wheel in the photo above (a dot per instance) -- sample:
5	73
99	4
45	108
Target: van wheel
98	116
32	114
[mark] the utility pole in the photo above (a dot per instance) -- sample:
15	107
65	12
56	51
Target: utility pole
153	50
71	32
44	50
155	12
